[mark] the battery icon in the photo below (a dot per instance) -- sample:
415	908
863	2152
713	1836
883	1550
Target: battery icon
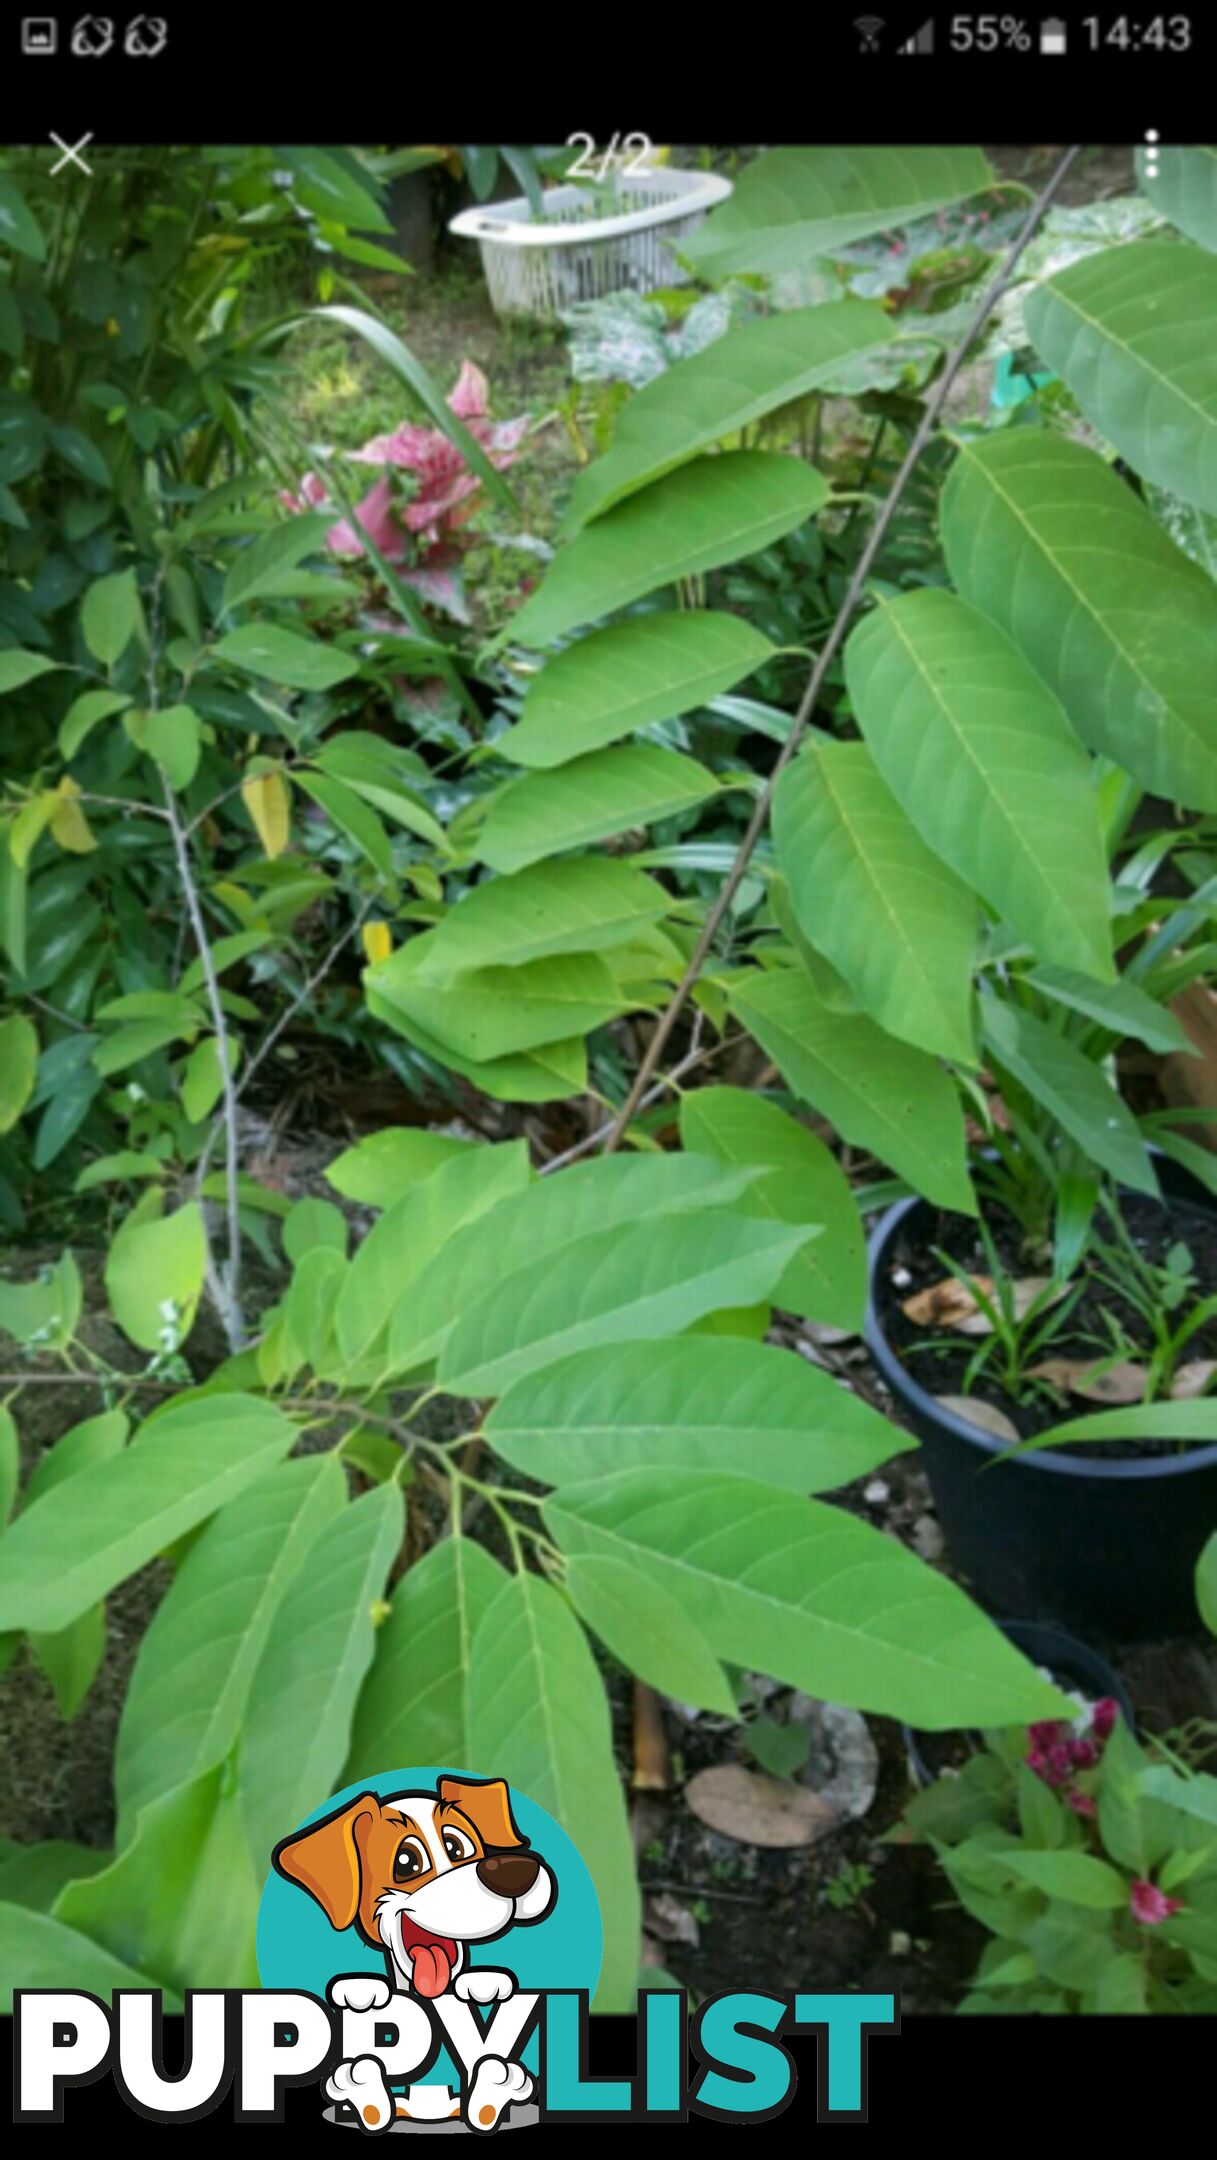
1054	35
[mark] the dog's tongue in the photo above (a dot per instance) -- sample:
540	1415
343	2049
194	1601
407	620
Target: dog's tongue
432	1957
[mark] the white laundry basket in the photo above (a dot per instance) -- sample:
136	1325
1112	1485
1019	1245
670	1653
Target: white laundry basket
540	266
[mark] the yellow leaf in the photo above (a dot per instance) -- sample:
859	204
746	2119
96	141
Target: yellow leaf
266	798
377	940
69	825
28	827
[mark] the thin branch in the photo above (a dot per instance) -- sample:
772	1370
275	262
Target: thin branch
225	1283
613	1133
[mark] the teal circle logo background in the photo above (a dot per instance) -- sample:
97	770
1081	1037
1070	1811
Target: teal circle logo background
297	1947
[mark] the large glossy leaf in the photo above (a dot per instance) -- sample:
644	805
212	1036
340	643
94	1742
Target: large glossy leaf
551	1212
1073	1088
629	676
1043	537
647	1631
728	385
584	906
807	1593
412	1704
1182	184
802	1182
691	1404
488	1013
537	1714
400	1251
615	1285
280	656
1131	332
112	1517
981	757
879	1093
869	894
609	791
181	1902
384	1166
796	204
715	510
302	1698
543	1075
192	1676
155	1271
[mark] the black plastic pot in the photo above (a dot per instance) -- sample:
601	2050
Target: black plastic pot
1073	1664
1105	1545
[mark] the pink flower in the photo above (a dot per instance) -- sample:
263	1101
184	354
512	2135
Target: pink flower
1083	1754
1150	1905
419	529
1103	1717
1081	1803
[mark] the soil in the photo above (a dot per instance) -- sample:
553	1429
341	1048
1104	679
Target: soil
940	1365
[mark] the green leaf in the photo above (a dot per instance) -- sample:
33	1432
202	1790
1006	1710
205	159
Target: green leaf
1143	1421
794	205
155	1272
983	760
714	393
182	1900
43	1313
19	228
587	905
647	1631
803	1182
170	736
1206	1584
1182	184
19	668
83	715
351	815
302	1699
110	615
76	1542
412	1706
536	1710
716	510
258	568
1120	1006
192	1677
203	1077
280	656
311	1224
879	1093
39	1952
541	1216
96	1440
34	1875
70	1657
1072	1088
1129	330
630	676
606	792
807	1593
402	1247
409	369
488	1013
326	186
384	1166
868	893
10	1463
550	1071
619	1285
378	780
1076	1877
18	1066
1042	537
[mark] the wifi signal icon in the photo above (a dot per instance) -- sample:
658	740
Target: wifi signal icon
868	28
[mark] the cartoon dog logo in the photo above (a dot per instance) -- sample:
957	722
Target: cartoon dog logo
422	1875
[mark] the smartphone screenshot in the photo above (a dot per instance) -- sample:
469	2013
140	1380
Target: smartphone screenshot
608	1069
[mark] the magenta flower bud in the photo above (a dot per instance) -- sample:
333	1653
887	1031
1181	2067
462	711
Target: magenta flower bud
1083	1754
1150	1905
1081	1803
1103	1717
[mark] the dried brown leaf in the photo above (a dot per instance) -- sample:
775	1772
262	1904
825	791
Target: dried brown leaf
1194	1379
951	1304
983	1414
1094	1378
759	1810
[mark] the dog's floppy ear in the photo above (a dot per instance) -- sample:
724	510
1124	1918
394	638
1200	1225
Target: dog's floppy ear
487	1805
325	1859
